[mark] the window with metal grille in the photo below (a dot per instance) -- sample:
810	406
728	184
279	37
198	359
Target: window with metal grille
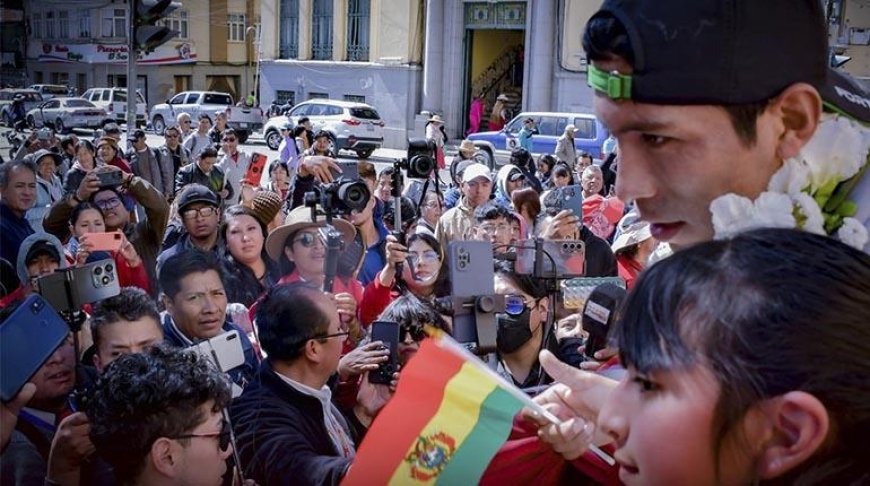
358	21
354	98
317	96
321	30
285	97
289	46
236	27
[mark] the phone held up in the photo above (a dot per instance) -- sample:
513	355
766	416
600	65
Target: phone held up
387	333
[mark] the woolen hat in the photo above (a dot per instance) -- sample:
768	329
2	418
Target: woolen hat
300	219
265	206
725	52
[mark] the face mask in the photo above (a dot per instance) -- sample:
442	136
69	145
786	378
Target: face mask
568	351
513	331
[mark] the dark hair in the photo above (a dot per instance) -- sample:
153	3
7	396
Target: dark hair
131	304
442	283
527	197
276	164
145	396
126	198
387	171
79	209
182	264
605	38
229	131
537	288
242	285
563	170
172	127
204	116
547	160
299	130
86	144
366	170
770	311
491	211
66	142
413	313
6	169
287	317
303	120
209	152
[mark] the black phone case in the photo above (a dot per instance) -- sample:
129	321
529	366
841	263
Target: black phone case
388	333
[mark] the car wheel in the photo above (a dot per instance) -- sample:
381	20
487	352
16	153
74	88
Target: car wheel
243	136
333	145
158	124
59	127
273	139
364	153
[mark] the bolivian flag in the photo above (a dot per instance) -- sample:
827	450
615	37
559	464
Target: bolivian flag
448	418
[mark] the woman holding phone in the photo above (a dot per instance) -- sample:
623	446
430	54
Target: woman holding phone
90	242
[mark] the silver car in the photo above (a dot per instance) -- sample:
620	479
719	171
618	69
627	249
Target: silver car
67	113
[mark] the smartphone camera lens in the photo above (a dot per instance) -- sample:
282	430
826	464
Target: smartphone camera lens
109	268
98	271
106	280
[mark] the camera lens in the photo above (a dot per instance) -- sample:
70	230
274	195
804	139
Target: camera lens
354	195
105	280
98	271
109	268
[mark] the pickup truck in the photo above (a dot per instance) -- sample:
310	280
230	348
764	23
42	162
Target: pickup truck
244	119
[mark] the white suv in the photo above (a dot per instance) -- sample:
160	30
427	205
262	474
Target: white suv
114	101
351	126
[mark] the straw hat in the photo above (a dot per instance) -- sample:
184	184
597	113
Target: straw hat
436	119
467	147
631	232
299	219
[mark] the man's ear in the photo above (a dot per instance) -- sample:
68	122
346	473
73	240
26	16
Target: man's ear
544	305
167	303
799	109
312	351
800	425
288	253
163	457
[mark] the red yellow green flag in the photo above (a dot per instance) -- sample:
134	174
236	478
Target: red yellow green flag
448	418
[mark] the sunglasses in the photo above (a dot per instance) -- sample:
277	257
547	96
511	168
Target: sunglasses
515	305
307	240
417	333
223	436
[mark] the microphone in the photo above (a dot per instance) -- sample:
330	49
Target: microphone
602	309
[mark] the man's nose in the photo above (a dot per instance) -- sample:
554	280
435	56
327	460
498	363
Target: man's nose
634	180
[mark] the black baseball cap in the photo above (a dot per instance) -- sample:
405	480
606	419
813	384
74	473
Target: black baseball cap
725	52
197	193
41	247
111	128
136	135
321	134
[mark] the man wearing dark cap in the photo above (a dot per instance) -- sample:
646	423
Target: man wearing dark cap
112	130
199	210
147	163
321	145
710	98
41	254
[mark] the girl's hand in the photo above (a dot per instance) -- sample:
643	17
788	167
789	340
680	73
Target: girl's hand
84	250
362	359
128	251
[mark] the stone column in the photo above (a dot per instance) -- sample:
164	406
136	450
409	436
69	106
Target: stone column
433	56
541	29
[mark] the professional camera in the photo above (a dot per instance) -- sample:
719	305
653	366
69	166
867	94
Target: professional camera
421	158
340	197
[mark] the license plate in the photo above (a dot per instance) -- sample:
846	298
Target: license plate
243	125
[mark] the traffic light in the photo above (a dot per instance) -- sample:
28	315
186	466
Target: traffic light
147	35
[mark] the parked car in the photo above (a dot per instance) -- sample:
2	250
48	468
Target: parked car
351	126
114	101
32	99
589	134
49	91
244	119
64	114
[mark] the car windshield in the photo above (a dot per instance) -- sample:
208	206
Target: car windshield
218	99
121	96
365	113
79	104
55	90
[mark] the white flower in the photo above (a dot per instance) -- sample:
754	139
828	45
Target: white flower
731	215
836	152
853	233
774	210
792	178
814	221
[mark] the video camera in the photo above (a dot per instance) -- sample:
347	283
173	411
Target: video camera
421	159
345	194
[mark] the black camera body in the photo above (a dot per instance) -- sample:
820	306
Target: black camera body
421	158
339	197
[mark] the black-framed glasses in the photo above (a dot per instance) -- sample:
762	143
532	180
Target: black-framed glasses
323	337
516	304
417	333
112	202
307	240
223	435
205	212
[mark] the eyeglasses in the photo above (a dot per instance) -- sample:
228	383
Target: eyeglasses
308	239
170	136
323	337
425	257
229	140
110	203
515	304
223	436
205	212
495	228
417	333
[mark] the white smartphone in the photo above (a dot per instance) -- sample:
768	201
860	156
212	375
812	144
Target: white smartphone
224	350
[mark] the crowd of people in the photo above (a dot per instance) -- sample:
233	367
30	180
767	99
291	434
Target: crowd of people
726	355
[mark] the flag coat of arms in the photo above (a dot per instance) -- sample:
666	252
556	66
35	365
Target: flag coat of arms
448	418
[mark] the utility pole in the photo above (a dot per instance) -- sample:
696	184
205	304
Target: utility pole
132	60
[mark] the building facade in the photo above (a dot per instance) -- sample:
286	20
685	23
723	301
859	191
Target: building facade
83	44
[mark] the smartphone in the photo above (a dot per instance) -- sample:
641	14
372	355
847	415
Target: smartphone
106	241
255	169
28	337
224	350
471	268
349	170
87	284
110	178
388	333
568	197
569	257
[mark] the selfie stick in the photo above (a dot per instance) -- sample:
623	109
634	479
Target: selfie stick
397	214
